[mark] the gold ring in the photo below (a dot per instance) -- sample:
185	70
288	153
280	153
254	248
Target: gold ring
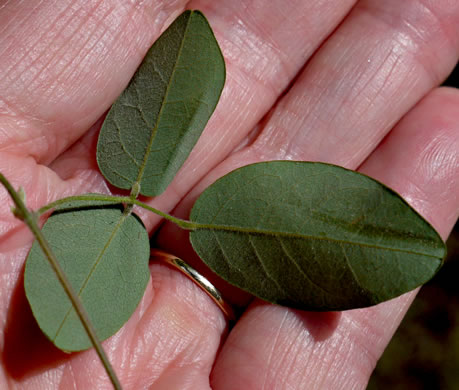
196	277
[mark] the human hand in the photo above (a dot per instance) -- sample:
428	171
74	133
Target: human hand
349	77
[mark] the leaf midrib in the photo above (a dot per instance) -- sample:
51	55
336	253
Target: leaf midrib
158	120
91	272
240	229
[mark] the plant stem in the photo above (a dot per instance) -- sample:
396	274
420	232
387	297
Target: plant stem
184	224
30	219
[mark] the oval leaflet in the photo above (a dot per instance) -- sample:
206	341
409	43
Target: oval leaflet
313	236
104	254
152	127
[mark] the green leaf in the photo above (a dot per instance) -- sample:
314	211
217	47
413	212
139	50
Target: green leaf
104	254
152	127
313	236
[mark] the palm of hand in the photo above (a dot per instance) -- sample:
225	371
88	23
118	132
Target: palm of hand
64	67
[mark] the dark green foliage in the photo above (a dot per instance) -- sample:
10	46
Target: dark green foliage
152	127
313	236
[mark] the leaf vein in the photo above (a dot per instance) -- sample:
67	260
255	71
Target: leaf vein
297	266
240	229
96	263
280	288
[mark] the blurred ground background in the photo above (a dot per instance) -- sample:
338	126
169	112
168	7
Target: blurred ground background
424	353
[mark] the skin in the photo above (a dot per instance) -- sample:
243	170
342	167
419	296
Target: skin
349	82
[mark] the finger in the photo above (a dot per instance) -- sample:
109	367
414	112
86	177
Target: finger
292	349
64	65
430	180
174	338
375	67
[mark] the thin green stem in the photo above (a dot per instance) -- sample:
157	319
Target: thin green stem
184	224
30	219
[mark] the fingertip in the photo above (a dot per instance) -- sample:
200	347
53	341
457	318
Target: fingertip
419	158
